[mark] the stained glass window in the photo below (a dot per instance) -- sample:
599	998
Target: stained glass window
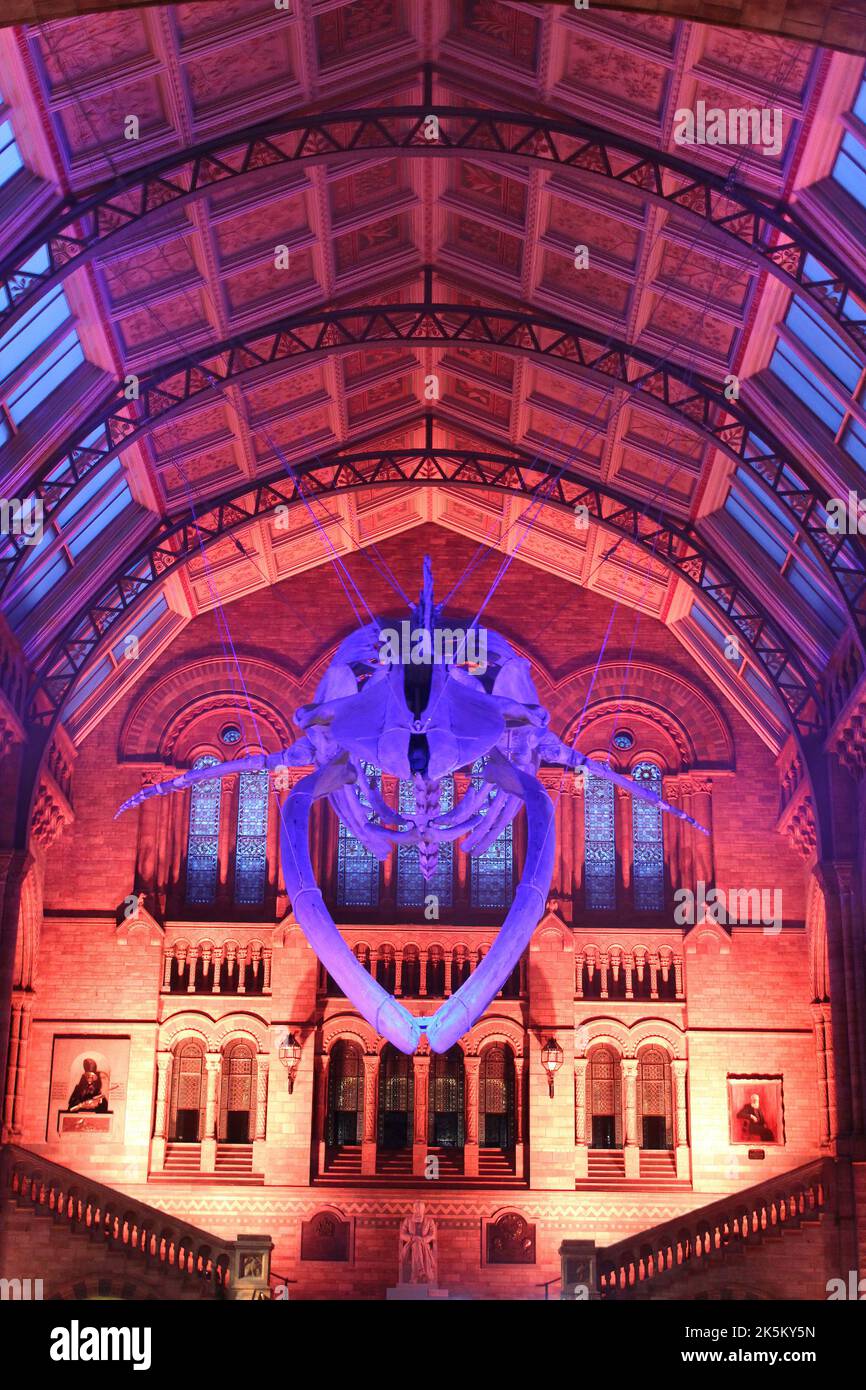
251	848
599	843
491	873
357	867
412	888
204	829
649	861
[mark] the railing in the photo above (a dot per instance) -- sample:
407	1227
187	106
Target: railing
120	1222
691	1240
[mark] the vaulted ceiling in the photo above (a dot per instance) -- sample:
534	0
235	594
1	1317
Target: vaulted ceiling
290	227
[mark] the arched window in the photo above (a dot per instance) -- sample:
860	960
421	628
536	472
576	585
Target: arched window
600	844
491	874
605	1099
460	967
345	1095
187	1093
654	1098
435	978
496	1097
202	851
237	1093
395	1099
386	968
446	1099
647	836
357	867
251	847
410	972
412	887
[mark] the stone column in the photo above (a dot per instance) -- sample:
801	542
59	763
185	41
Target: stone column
16	1069
845	958
213	1062
581	1150
421	1108
157	1148
632	1141
320	1120
14	866
371	1113
146	876
519	1115
679	1068
624	839
702	845
225	865
821	1023
471	1069
260	1131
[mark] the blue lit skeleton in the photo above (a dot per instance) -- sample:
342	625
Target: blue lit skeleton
419	722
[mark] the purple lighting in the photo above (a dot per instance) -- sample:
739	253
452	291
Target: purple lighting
421	719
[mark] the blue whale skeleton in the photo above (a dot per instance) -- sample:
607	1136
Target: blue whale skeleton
420	721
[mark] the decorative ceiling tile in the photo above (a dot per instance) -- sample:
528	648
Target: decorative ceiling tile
266	284
630	80
72	53
369	244
352	31
179	315
766	61
478	240
96	123
255	228
589	286
490	190
150	268
586	226
499	29
196	20
232	73
688	326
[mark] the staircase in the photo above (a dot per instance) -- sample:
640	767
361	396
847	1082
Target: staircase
606	1168
707	1242
343	1165
235	1163
77	1224
394	1164
496	1168
183	1160
658	1168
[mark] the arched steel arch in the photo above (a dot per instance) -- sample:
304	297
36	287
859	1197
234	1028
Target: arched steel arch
768	233
675	545
693	398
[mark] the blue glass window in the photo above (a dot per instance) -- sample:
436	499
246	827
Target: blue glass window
709	626
599	843
202	856
357	867
143	625
648	843
87	685
251	848
10	159
491	874
854	442
790	368
412	887
849	171
823	342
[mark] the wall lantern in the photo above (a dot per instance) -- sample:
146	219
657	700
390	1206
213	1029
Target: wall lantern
551	1060
290	1056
